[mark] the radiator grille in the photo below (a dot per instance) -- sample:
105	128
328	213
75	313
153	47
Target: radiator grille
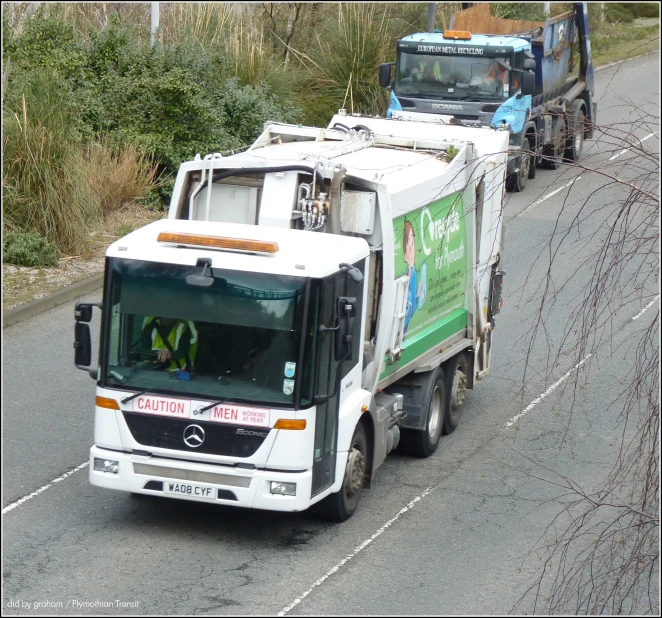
191	475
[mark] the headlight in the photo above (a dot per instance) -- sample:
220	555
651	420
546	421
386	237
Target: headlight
106	465
283	489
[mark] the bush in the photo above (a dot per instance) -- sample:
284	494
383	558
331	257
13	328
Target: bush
48	43
167	104
519	10
45	188
617	13
640	9
28	249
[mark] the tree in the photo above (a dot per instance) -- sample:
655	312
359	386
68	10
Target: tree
601	552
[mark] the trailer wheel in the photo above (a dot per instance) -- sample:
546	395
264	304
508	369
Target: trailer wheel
422	443
576	128
456	392
341	505
553	153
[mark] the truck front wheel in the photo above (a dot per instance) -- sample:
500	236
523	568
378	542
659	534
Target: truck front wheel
341	505
423	443
517	180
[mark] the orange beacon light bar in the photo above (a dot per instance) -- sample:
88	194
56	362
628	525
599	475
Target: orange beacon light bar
457	34
219	242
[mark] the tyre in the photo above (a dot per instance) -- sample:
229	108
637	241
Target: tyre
553	153
456	392
576	128
423	443
341	505
517	180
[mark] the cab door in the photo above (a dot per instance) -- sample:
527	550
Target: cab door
328	377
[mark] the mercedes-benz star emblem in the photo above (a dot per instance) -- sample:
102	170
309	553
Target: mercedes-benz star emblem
194	436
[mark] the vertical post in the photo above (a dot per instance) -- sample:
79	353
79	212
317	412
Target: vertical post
154	27
602	12
431	7
545	9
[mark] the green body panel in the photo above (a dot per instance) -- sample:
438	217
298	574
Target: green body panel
431	246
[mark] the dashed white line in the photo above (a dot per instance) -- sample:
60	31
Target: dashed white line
648	306
641	141
542	199
535	402
20	501
360	548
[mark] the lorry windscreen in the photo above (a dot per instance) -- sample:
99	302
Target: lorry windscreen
451	78
238	339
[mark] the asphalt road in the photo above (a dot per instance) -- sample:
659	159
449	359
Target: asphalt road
453	534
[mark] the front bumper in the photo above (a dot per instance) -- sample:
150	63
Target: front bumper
233	486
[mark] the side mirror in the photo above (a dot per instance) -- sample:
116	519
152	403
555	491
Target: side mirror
346	313
83	312
528	83
529	64
82	339
385	74
82	345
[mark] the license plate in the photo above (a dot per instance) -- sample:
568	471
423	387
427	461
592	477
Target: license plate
186	490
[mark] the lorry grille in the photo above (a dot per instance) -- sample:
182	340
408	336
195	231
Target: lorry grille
191	475
163	432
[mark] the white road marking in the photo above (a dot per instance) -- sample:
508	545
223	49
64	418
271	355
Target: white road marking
360	548
535	402
641	141
648	306
542	199
20	501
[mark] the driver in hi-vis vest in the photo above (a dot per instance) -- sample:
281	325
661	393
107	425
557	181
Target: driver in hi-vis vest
173	340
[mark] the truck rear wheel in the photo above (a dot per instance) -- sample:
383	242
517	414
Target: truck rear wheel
456	392
423	443
341	505
576	128
553	153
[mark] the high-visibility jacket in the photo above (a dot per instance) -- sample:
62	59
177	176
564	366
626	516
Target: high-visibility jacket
435	69
497	72
180	332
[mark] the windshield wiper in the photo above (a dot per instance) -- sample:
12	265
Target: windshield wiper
148	390
218	403
210	406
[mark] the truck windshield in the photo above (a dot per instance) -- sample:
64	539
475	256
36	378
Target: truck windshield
452	78
238	339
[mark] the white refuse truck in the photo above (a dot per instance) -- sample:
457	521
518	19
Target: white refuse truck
336	292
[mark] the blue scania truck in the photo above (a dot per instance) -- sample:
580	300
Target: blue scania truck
510	75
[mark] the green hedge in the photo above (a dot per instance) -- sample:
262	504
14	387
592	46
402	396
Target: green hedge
28	249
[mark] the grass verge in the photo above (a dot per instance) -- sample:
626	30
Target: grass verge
615	42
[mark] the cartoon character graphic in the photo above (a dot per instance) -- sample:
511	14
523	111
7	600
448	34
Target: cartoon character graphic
417	289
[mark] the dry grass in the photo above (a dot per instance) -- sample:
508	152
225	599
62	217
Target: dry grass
117	178
205	22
